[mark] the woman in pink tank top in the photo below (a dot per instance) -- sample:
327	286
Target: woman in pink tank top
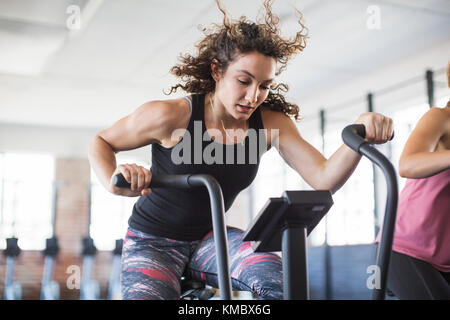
420	263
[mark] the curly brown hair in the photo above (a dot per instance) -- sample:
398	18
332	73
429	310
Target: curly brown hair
222	43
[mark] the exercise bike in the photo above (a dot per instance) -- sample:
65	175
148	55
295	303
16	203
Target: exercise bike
89	288
284	223
114	279
192	288
49	288
13	290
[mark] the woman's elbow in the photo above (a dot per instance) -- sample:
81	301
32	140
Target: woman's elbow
403	172
328	187
99	145
93	143
406	169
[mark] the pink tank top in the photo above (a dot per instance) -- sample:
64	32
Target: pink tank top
422	229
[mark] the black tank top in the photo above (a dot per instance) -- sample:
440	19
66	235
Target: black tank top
185	214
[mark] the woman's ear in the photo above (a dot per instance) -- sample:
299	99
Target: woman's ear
215	69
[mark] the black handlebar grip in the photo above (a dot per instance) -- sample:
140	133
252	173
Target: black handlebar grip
354	134
158	181
120	182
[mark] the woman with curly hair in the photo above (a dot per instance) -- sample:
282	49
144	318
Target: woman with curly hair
233	94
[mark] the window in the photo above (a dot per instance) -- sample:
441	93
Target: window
109	212
270	180
405	121
351	219
26	198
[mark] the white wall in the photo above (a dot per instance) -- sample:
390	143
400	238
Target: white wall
72	142
58	141
391	75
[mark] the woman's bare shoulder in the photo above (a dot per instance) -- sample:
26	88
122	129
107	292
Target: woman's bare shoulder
437	117
273	119
173	113
438	113
153	121
172	108
432	128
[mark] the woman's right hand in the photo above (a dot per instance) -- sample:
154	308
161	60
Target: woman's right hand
138	177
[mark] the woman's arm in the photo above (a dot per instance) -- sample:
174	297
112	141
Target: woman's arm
419	158
150	123
319	172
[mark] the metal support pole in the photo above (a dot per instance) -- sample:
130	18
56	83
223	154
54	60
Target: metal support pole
387	237
55	188
295	263
353	136
430	88
374	175
2	193
89	204
220	231
328	262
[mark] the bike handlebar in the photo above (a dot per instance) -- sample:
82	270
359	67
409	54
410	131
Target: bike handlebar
353	136
159	181
217	211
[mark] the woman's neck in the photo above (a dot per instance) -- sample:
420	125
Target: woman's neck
217	114
233	131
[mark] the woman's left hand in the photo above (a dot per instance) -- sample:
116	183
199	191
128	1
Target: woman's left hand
379	128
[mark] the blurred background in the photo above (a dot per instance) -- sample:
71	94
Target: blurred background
69	69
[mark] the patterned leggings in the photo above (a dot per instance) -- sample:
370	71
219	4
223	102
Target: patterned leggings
152	266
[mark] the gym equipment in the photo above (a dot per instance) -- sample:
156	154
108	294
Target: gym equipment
353	136
283	224
195	290
13	290
287	221
114	279
89	289
218	216
49	288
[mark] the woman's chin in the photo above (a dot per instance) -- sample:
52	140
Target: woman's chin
241	113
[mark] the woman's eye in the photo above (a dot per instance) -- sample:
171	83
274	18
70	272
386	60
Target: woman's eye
246	83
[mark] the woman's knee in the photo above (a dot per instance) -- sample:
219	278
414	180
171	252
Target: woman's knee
138	286
146	278
263	274
149	272
268	289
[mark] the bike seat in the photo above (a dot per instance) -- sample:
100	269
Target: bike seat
192	289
